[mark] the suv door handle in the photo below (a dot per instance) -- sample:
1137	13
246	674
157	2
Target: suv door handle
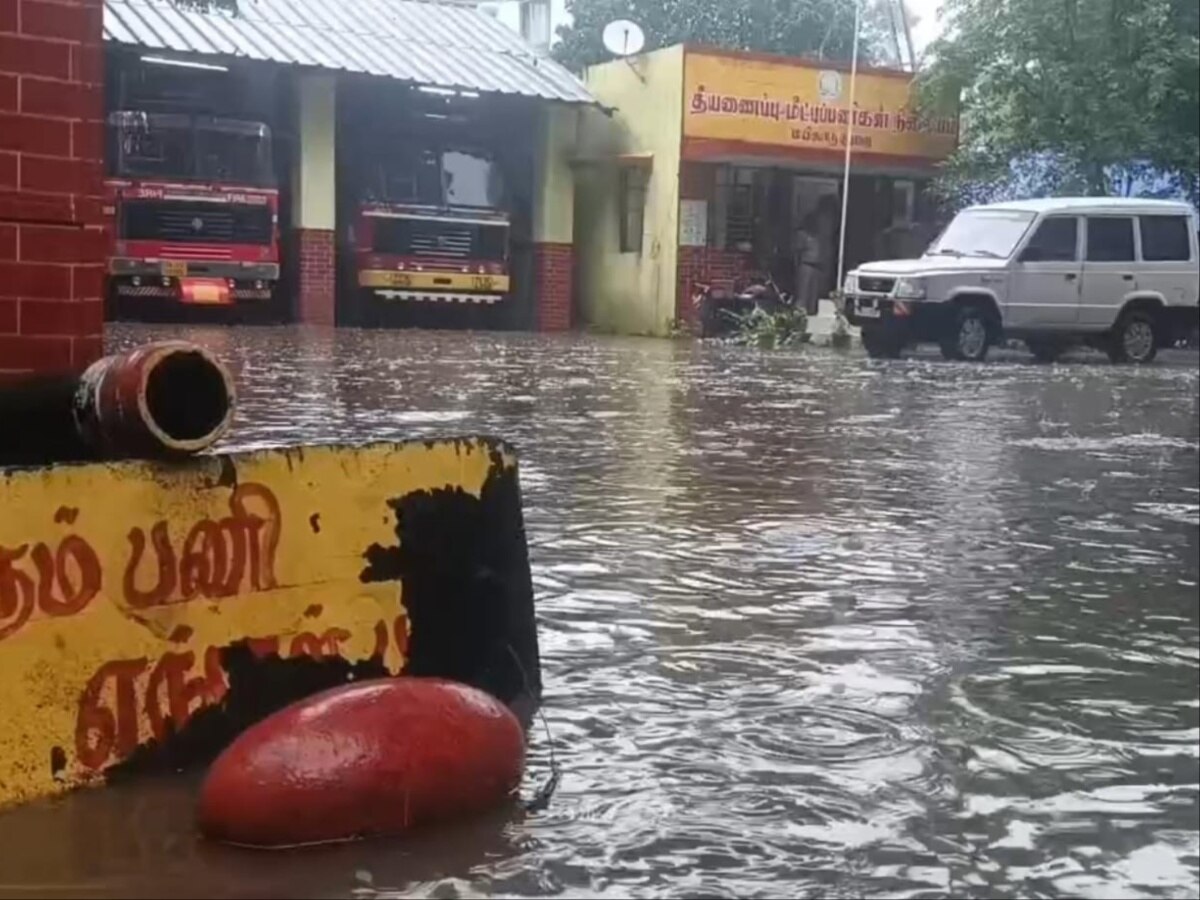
1070	276
1126	276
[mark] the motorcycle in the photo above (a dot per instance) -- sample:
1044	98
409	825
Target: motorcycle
722	311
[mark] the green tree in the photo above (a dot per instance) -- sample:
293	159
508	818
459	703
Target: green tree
820	28
1069	96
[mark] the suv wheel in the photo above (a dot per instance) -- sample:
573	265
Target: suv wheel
1134	339
880	343
1045	350
969	337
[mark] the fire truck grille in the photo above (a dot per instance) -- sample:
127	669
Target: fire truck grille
440	241
199	223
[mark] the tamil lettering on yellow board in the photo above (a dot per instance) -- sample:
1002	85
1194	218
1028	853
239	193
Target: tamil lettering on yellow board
787	104
122	585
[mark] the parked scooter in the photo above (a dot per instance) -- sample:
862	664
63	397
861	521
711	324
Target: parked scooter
721	311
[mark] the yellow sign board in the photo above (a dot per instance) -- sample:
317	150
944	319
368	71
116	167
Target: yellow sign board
733	100
146	607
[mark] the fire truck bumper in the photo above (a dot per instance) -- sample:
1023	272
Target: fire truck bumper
193	282
439	297
389	281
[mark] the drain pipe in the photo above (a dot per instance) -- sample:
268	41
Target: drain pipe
164	400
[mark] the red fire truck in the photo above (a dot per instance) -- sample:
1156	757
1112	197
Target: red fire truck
430	226
194	210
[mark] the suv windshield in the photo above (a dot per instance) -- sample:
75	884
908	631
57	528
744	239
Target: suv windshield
992	234
191	148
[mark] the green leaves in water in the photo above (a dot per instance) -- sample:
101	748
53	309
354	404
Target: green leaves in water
785	327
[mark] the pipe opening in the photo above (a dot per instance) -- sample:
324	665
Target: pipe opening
187	396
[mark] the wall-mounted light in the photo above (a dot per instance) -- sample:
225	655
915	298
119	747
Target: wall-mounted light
446	92
184	63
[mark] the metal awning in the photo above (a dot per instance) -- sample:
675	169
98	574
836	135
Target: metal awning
426	43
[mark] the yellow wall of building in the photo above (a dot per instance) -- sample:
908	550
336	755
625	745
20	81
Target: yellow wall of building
630	293
315	182
554	182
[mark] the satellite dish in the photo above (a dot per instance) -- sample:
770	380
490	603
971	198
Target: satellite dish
623	38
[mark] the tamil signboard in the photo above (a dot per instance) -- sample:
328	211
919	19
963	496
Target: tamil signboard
750	103
148	612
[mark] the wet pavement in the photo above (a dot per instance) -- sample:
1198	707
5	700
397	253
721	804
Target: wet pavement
811	625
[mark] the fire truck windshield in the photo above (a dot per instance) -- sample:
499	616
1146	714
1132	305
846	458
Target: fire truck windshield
190	148
429	177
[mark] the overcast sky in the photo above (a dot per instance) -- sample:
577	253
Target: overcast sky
926	26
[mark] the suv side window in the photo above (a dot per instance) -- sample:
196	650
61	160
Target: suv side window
1110	239
1165	239
1056	240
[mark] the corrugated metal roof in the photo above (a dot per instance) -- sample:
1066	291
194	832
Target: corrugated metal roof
438	44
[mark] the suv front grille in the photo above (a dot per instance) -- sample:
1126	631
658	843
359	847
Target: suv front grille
876	285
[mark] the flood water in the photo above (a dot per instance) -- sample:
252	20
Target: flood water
811	625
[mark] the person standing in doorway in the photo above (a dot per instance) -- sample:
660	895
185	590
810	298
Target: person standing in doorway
807	257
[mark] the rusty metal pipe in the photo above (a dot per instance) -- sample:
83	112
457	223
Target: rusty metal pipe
163	400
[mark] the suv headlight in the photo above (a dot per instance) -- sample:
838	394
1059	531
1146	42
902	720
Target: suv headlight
909	289
850	286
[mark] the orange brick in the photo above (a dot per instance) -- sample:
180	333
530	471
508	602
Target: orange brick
55	20
38	354
34	280
56	317
65	99
8	316
86	350
34	134
60	245
33	56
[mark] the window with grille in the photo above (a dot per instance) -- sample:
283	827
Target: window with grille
632	213
735	208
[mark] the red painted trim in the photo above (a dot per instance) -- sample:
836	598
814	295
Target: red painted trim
714	149
795	61
198	252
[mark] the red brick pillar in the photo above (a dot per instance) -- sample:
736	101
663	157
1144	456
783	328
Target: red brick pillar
51	158
553	272
316	288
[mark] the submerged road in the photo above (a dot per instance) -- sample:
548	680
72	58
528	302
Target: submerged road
811	625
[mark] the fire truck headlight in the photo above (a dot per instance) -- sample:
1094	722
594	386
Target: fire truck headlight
137	280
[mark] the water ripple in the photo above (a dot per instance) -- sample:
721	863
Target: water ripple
811	625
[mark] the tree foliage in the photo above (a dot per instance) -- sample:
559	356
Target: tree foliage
1070	96
820	28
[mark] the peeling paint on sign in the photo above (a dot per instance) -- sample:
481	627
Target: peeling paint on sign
150	612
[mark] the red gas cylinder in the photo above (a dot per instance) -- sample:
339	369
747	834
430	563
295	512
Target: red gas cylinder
377	757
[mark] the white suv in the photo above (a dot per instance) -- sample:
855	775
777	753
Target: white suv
1121	275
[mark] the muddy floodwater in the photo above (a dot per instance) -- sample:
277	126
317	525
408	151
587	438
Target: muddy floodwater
811	625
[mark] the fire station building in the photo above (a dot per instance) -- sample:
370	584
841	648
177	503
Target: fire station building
389	161
713	160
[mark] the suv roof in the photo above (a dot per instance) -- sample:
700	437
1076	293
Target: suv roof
1083	205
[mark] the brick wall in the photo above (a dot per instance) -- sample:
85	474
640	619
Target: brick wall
720	268
51	159
316	268
711	265
553	273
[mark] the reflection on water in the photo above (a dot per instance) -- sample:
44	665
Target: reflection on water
810	624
